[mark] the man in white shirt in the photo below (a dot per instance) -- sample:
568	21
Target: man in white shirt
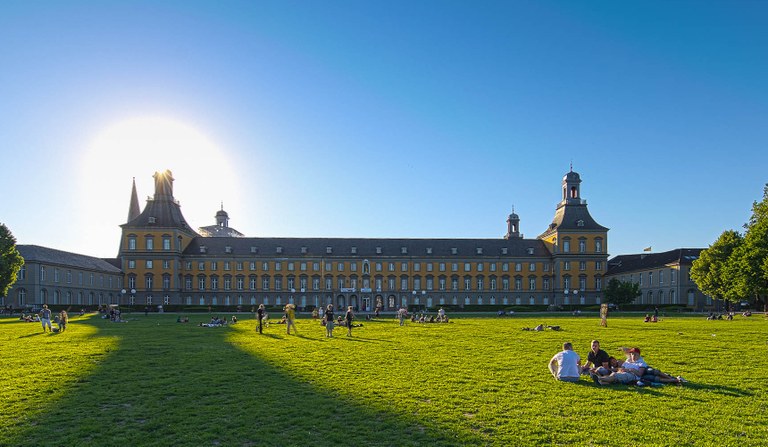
566	365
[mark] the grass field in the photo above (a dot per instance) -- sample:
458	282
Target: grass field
476	381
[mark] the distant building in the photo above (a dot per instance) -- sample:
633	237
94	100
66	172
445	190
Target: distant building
162	260
57	278
664	278
167	262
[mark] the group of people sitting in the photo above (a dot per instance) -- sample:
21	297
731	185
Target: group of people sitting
651	318
29	318
605	370
425	318
215	322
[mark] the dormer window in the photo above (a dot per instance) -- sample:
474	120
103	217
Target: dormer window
279	250
579	223
378	250
429	250
152	219
203	249
530	250
328	250
254	249
227	249
504	250
354	250
303	250
479	250
404	250
454	250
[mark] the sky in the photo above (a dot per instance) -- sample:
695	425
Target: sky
389	119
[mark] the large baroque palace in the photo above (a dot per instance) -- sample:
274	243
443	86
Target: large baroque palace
163	261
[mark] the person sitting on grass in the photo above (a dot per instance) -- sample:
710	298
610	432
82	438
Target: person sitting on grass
566	364
600	361
631	370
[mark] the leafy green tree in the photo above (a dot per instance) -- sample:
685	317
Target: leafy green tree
753	258
10	260
716	271
619	292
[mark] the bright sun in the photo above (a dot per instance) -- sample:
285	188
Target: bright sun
138	148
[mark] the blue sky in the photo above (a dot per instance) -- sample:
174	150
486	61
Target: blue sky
383	119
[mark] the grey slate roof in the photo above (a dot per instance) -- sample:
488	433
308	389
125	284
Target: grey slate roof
567	217
35	253
366	248
166	213
644	261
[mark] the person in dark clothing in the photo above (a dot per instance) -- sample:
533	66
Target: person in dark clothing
599	359
260	316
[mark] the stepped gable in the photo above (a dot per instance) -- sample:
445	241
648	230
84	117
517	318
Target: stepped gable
36	253
644	261
366	247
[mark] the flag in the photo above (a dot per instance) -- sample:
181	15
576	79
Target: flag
647	249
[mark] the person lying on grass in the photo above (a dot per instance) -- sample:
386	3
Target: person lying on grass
630	371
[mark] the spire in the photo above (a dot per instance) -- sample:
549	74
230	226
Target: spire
133	209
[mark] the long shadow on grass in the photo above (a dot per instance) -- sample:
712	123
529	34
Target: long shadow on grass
175	384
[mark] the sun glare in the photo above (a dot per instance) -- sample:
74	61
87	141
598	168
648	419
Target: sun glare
138	148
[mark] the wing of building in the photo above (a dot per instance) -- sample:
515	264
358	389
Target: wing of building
664	278
164	261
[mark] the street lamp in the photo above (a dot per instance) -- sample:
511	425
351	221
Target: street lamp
122	295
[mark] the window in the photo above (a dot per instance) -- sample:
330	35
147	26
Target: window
391	266
531	283
166	264
518	284
148	282
252	282
291	266
227	283
166	243
131	264
454	266
566	265
265	266
429	266
353	266
518	267
467	267
166	281
417	266
661	277
582	265
492	266
441	266
201	266
598	283
650	278
467	283
149	263
582	246
214	265
504	266
265	283
598	245
480	266
150	243
532	267
239	266
403	266
566	245
132	243
214	283
504	283
673	277
582	283
227	265
278	266
545	283
599	266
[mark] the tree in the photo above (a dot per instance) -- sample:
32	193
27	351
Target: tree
716	271
10	260
619	292
753	260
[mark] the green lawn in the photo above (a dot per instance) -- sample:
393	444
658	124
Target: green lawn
476	381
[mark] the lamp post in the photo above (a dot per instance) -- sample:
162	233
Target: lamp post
122	295
565	297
